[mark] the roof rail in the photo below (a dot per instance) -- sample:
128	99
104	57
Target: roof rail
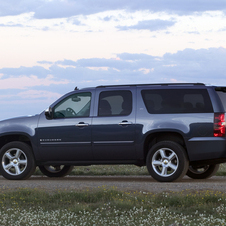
154	84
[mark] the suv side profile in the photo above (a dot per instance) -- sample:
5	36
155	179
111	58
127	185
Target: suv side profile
173	129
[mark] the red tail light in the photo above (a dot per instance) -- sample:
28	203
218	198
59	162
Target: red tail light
219	125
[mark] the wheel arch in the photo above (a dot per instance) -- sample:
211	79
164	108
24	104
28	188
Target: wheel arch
7	138
156	137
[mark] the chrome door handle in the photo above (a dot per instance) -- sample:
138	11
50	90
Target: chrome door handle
125	123
82	124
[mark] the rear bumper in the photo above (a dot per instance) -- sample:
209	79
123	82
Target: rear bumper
206	148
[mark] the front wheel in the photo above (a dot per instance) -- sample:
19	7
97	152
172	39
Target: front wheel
55	170
17	161
167	161
202	172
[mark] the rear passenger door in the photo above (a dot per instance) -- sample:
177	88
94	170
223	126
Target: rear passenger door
113	131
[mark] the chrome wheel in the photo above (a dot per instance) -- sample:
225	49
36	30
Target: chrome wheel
165	162
54	169
14	161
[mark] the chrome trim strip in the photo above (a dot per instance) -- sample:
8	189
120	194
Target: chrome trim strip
95	142
206	138
52	143
113	142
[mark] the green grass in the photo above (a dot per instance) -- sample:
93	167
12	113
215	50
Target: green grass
107	170
119	170
111	207
222	170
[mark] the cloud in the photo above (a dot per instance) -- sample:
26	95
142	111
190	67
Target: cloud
189	65
27	71
45	9
152	25
36	89
45	62
38	94
11	25
23	82
206	64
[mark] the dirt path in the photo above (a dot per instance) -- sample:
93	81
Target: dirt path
125	183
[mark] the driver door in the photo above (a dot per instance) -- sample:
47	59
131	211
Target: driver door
67	136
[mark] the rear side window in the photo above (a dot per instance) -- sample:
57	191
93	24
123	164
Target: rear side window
173	101
222	96
115	103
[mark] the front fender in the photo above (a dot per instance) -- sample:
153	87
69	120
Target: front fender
24	126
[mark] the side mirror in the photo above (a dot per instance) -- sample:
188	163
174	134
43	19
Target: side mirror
49	113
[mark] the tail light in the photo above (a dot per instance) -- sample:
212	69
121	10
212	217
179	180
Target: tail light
219	125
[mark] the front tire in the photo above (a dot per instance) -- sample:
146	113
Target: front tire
17	161
167	161
56	170
202	172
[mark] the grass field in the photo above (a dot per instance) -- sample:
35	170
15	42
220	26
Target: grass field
111	207
104	206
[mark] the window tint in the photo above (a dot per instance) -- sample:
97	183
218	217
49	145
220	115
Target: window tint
76	105
177	101
114	103
222	96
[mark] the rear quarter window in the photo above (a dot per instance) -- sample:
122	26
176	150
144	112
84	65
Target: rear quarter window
171	101
222	96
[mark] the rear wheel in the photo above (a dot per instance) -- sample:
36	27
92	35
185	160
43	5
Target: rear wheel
55	170
17	161
202	172
167	161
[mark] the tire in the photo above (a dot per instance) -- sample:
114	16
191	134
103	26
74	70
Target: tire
167	161
202	172
17	161
56	170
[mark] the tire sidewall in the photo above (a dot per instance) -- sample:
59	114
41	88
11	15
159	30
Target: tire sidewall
30	168
65	171
182	158
211	171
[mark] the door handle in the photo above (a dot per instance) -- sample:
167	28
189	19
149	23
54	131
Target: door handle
125	123
82	124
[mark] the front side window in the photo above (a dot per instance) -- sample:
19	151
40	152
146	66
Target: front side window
76	105
171	101
115	103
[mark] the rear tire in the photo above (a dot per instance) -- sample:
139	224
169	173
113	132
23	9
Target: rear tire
56	170
202	172
17	161
167	161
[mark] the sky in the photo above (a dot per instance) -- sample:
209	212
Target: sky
48	47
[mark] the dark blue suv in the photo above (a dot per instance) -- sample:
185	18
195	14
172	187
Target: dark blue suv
173	129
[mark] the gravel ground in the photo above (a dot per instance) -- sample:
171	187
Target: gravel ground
124	183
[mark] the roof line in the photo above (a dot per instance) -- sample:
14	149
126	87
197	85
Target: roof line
160	84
